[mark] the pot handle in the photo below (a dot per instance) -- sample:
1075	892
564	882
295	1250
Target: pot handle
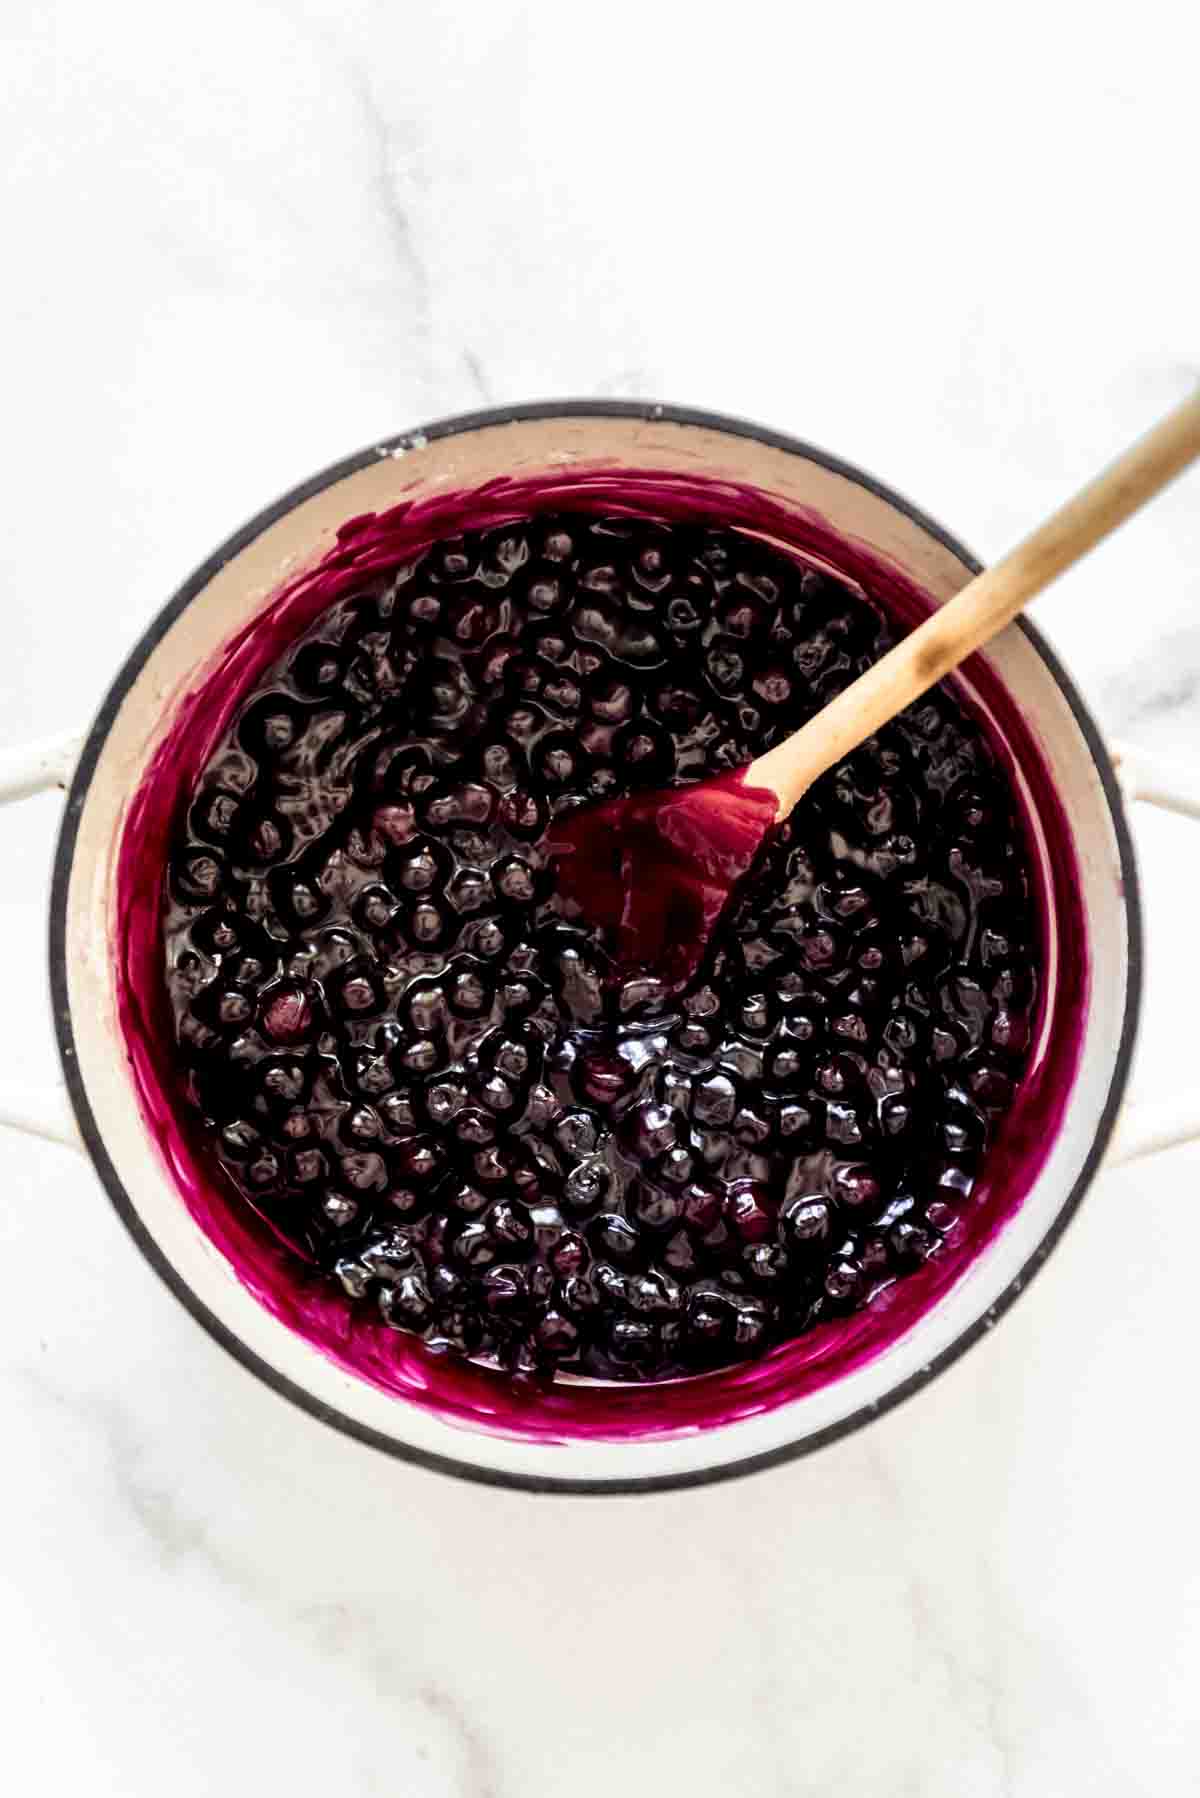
1145	1127
1157	780
1148	1125
44	1109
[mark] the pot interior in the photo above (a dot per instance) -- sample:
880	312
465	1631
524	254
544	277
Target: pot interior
171	703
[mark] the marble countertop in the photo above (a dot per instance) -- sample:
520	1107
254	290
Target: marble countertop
244	238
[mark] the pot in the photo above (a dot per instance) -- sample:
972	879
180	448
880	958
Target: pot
1073	790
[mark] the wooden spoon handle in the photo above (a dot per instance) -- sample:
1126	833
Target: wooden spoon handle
983	607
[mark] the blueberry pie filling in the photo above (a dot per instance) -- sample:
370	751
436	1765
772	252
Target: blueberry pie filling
414	1057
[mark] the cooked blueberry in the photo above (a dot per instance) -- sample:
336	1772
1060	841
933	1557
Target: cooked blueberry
510	1226
612	1235
702	1207
408	1305
374	907
715	1101
577	1132
657	1208
270	725
363	1172
420	1158
475	1246
339	1210
855	1185
556	1333
429	924
389	1254
197	875
587	1185
356	992
631	1340
749	1210
396	1110
515	880
444	1100
603	1077
363	1127
651	1130
807	1221
287	1012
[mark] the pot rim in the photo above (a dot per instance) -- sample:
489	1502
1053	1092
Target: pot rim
454	425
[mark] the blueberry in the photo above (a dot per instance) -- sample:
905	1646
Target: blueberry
419	1158
422	1054
374	908
577	1132
444	1100
843	1124
650	1130
751	1128
287	1012
269	726
498	1094
796	1125
509	1227
504	1289
490	1166
715	1101
587	1185
808	1221
702	1207
750	1211
214	816
657	1209
298	899
397	1111
417	868
603	1078
357	992
612	1235
469	891
843	1279
766	1264
523	813
317	669
389	1254
631	1340
475	1247
468	1200
676	1167
855	1185
408	1305
339	1210
910	1241
198	876
362	1171
569	1255
474	1128
515	880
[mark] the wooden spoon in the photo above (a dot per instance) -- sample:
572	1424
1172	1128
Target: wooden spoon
656	869
983	607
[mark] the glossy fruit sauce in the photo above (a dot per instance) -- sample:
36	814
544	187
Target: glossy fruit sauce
449	1129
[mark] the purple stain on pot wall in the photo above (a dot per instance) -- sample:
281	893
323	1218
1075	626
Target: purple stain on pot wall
304	1300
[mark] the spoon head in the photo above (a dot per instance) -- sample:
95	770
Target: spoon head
655	870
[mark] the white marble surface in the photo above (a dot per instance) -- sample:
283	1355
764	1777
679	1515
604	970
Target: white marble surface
244	238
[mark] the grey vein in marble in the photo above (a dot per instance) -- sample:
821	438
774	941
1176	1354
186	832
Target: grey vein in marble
1160	681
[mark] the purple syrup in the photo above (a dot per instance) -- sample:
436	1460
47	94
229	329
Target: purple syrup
655	871
935	1239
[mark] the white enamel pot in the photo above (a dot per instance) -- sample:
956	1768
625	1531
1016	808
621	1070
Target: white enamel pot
183	646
